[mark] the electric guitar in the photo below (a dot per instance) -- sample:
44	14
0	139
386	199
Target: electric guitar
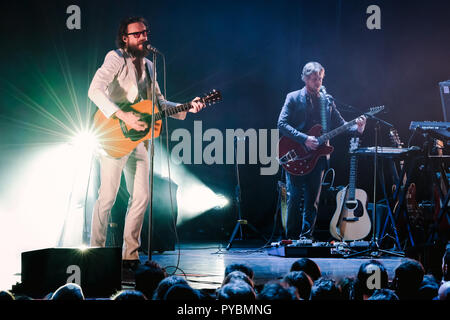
298	160
117	139
351	220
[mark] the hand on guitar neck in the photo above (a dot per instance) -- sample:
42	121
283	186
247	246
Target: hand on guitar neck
312	143
131	119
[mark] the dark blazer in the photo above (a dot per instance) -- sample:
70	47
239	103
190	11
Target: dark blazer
293	116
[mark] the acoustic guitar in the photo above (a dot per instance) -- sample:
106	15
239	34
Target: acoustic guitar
298	160
351	221
118	140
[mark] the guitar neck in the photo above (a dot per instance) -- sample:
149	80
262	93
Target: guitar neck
333	133
352	178
171	111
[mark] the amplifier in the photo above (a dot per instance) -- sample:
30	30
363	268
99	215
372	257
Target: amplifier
444	88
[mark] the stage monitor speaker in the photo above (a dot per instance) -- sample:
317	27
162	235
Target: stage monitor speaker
96	270
444	88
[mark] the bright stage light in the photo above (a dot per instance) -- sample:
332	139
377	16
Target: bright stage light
194	200
85	140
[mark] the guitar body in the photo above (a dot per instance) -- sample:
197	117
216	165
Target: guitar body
303	160
350	221
112	137
118	139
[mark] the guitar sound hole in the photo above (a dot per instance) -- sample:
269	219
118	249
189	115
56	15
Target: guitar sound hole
356	207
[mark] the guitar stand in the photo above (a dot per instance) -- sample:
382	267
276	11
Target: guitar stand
400	196
433	164
374	249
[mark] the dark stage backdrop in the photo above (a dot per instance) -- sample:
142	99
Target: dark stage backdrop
252	51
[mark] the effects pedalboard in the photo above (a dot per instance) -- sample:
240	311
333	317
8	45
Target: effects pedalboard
311	249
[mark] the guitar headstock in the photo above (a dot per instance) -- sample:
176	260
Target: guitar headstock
211	98
374	110
395	139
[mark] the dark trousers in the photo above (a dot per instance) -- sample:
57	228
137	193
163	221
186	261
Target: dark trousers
301	219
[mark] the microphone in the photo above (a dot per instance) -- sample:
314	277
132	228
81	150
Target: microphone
147	46
324	92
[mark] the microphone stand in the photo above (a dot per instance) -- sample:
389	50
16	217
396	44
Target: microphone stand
152	155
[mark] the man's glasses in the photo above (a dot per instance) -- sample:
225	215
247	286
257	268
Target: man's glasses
138	34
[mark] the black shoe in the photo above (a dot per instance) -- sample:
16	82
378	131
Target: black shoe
131	264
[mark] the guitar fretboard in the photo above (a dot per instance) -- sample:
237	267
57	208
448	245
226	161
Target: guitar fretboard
333	133
171	111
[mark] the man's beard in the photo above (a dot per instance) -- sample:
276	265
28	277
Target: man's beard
136	52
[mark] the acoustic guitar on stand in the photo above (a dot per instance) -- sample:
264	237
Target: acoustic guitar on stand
351	221
117	139
298	160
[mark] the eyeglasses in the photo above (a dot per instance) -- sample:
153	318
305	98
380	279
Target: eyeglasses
138	34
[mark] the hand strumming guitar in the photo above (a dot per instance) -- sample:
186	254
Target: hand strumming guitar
131	119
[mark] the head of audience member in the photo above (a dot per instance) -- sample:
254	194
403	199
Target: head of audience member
301	281
6	296
325	289
148	276
445	266
237	275
346	286
277	291
309	266
182	291
408	278
444	291
383	294
240	267
428	288
165	285
236	290
129	295
68	292
372	275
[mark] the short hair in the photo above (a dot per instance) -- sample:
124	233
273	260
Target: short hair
346	286
444	291
240	267
325	289
6	296
383	294
165	285
236	290
123	27
307	265
301	281
408	277
68	292
445	265
276	291
239	276
310	68
182	292
364	273
129	295
148	276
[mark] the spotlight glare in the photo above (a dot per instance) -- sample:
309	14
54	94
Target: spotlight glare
85	140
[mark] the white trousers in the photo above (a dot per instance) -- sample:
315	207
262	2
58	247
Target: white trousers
136	166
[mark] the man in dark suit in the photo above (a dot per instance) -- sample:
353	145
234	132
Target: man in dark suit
301	111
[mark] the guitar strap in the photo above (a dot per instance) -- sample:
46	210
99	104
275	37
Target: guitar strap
324	114
325	119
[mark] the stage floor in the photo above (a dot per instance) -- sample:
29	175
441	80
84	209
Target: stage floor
203	263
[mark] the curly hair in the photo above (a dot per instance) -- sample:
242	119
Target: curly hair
123	26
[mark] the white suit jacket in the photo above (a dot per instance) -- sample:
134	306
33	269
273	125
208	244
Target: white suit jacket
115	83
